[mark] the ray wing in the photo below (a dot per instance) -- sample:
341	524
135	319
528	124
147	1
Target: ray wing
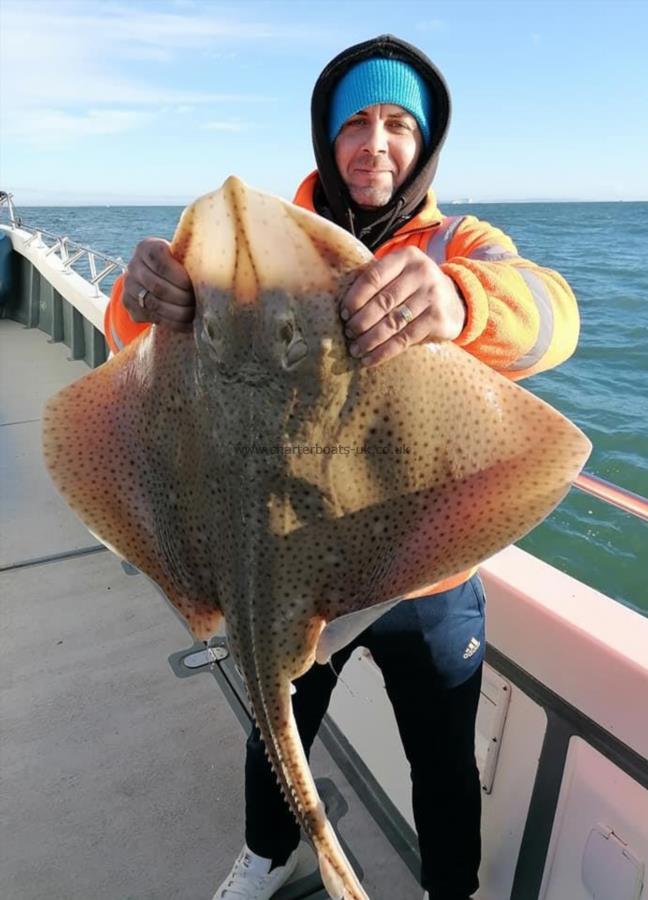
124	447
441	462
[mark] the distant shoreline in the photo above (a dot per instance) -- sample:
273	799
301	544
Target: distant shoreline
448	203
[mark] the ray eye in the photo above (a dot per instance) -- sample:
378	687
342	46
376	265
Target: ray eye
296	353
286	332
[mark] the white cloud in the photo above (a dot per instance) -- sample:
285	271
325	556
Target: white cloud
139	53
70	90
60	126
226	126
109	28
430	25
79	56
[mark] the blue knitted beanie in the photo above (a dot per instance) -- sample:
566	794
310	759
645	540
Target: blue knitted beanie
380	80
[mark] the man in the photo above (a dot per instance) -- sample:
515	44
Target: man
380	114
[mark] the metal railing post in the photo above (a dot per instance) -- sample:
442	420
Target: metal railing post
68	251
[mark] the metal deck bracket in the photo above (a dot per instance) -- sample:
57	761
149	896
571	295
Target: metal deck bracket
610	869
205	657
491	719
199	658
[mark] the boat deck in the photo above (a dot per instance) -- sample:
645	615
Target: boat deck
122	781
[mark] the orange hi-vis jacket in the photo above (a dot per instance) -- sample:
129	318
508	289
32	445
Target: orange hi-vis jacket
521	318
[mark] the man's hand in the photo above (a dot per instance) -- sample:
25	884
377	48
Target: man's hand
169	298
370	307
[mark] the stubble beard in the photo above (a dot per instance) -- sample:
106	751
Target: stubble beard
371	196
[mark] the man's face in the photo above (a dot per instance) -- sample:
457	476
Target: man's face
376	150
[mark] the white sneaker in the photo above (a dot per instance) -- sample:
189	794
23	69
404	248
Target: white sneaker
251	878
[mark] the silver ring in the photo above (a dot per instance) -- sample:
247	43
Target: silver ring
141	297
406	313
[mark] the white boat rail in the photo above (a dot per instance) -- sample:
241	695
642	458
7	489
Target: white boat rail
99	265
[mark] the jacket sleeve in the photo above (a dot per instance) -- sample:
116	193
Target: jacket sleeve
119	328
521	318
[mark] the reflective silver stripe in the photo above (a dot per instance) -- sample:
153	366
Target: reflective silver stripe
542	300
492	253
437	251
438	243
115	339
437	248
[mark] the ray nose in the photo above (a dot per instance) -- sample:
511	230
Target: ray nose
245	286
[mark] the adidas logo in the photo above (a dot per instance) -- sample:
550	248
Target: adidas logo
472	648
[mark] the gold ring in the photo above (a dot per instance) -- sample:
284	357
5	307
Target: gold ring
405	313
141	296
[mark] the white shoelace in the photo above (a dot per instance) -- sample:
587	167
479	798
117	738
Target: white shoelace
256	881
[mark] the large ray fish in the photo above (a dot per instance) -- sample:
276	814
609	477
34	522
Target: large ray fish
254	470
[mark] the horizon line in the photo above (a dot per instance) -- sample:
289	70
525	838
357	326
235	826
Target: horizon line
180	203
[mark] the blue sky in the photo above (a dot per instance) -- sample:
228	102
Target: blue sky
157	101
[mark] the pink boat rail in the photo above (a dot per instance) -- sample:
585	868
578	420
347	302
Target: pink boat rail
623	499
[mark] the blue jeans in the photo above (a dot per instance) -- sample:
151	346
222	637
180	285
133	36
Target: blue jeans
425	650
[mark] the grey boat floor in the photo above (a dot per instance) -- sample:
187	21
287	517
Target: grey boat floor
121	781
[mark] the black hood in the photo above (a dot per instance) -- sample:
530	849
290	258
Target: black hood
332	198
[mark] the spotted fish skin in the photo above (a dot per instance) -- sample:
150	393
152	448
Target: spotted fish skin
257	472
